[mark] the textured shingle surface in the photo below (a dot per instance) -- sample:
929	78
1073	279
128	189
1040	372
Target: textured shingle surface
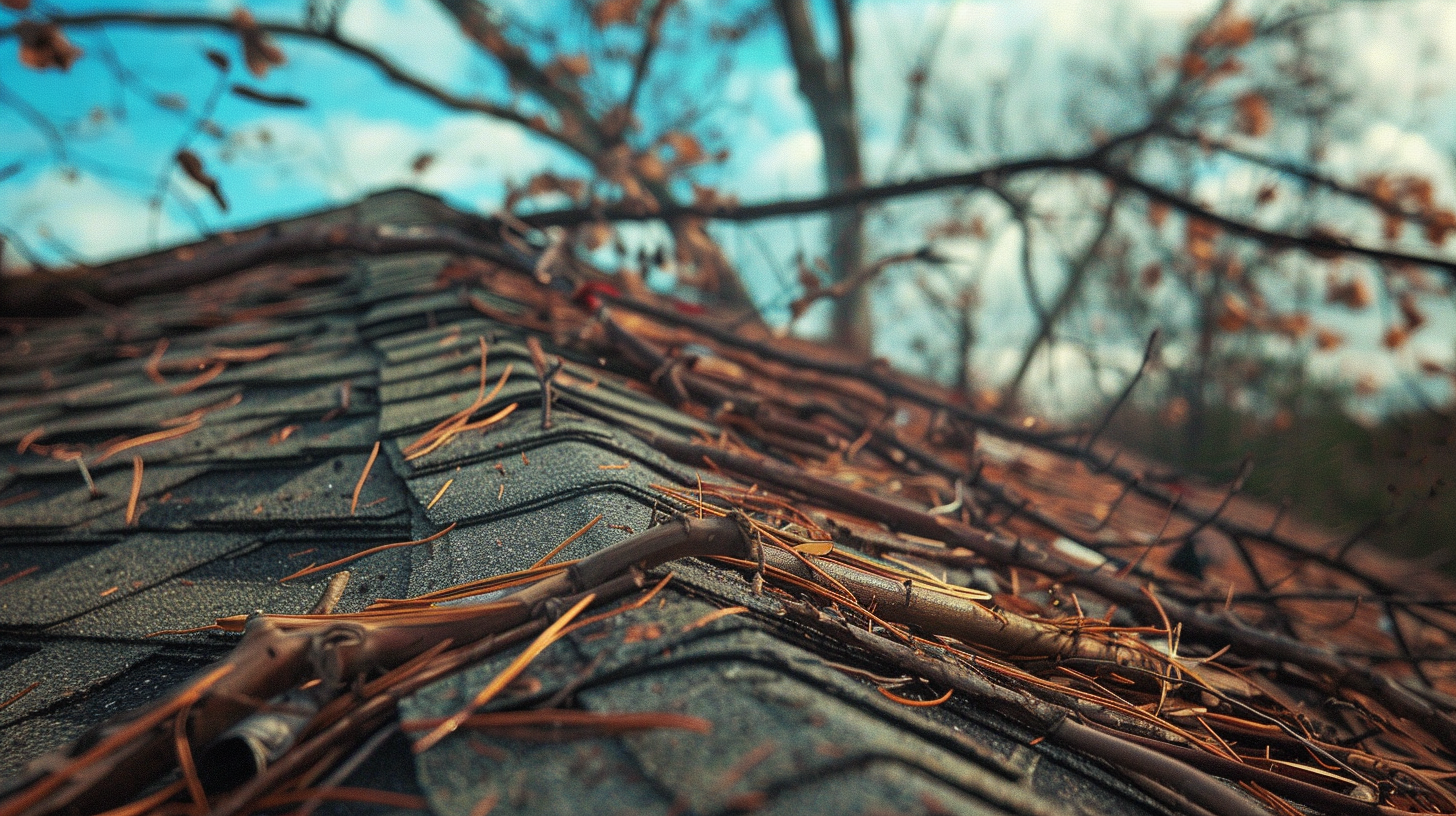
251	474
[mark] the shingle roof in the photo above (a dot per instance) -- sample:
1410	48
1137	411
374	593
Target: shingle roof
247	412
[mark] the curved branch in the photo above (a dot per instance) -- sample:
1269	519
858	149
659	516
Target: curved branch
391	70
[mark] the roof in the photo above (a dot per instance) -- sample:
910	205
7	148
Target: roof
898	601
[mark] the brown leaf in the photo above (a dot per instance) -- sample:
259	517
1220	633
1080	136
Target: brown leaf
576	65
1293	325
686	149
543	183
1328	340
1157	214
596	235
1235	314
1353	293
272	100
1266	194
1198	240
422	163
171	101
650	166
1255	116
219	60
1414	317
259	52
615	12
16	5
191	164
43	45
709	198
1438	225
1395	337
1152	275
1226	31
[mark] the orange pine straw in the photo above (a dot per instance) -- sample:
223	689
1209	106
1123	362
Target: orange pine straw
45	787
918	703
186	763
148	804
212	373
571	718
477	587
368	796
543	640
16	576
574	536
136	490
371	551
198	414
358	488
17	695
716	614
146	439
29	439
637	604
439	493
154	362
245	355
451	433
481	399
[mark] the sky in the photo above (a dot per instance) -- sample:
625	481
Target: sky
1058	71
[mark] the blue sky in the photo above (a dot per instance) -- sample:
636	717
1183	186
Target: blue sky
1057	61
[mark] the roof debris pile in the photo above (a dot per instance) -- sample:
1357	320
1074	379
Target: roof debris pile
1218	655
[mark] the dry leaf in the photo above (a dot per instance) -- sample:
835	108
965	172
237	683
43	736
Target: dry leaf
43	45
1414	317
1353	293
1328	340
1152	275
543	183
1395	337
1226	31
259	52
596	235
615	12
1157	214
422	163
1293	325
1255	116
191	164
219	60
1235	314
686	149
1198	239
1438	224
16	5
576	65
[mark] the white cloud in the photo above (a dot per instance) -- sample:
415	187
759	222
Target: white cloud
416	33
85	215
350	155
790	165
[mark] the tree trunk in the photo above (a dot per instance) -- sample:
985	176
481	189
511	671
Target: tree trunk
828	86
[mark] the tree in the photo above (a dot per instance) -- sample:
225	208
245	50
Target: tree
1186	176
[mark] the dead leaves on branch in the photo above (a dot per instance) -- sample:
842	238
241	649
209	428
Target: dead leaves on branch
615	12
260	53
1255	118
44	45
191	164
543	184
